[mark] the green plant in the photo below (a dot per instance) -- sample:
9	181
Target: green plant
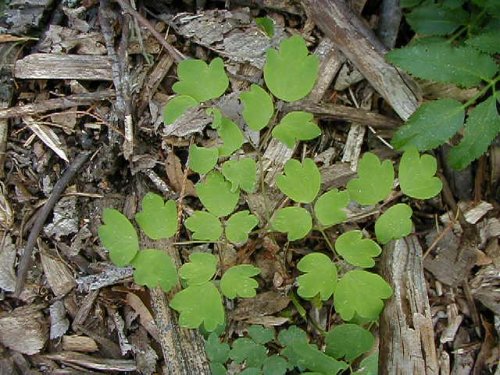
466	58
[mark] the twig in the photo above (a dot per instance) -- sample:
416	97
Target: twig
59	187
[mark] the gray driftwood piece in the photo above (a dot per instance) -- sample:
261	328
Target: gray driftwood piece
406	330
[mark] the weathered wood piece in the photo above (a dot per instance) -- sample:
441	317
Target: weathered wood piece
92	362
51	66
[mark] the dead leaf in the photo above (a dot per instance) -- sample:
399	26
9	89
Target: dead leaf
47	135
175	175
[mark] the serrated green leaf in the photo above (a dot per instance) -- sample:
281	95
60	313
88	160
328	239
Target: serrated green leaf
204	225
357	250
202	159
266	24
154	268
394	223
199	304
441	62
291	72
201	81
329	209
176	107
431	125
260	334
296	126
258	107
239	225
320	276
246	350
275	365
237	281
481	128
369	365
158	219
241	173
487	42
295	221
231	135
416	175
119	237
349	341
216	350
434	19
292	182
217	368
361	292
375	180
200	269
216	195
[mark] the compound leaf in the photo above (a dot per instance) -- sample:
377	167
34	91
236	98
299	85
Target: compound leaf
416	175
275	365
349	341
200	269
239	225
204	225
296	126
119	237
488	42
201	81
199	304
260	334
202	159
216	350
320	276
158	219
291	72
216	195
241	173
394	223
247	350
237	281
293	182
481	128
431	125
435	19
176	107
259	107
463	66
231	135
374	182
329	208
356	250
361	292
295	221
154	268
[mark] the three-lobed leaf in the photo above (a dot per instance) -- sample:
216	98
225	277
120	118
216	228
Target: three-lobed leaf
261	334
258	107
296	126
239	225
300	182
320	276
158	219
176	107
357	250
394	223
200	269
216	195
231	135
329	208
237	281
216	350
204	225
349	341
241	174
295	221
275	365
202	159
247	350
154	268
416	175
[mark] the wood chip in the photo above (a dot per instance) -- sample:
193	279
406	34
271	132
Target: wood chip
59	324
7	259
77	343
48	136
58	274
95	363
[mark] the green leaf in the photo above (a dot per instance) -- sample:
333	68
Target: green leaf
259	107
295	221
369	365
199	304
291	72
217	368
296	126
176	107
204	225
431	125
251	371
441	62
349	341
246	350
216	195
158	219
320	276
416	175
329	208
361	292
231	136
217	121
241	173
375	180
260	334
201	81
239	225
275	365
293	182
266	24
433	19
216	350
200	269
394	223
154	268
201	159
487	42
292	335
356	250
119	237
237	281
481	128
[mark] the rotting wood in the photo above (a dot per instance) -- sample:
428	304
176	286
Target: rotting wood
92	362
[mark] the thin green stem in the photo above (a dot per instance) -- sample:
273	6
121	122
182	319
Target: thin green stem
491	83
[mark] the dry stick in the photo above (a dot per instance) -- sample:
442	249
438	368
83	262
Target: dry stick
59	187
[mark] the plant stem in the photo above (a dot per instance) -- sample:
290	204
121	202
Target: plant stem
490	84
